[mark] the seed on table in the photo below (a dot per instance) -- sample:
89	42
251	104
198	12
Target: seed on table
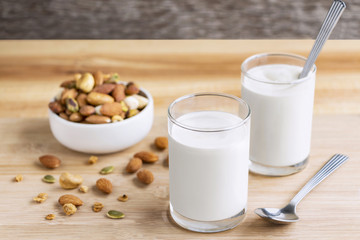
50	216
107	170
93	159
115	214
97	207
84	189
41	197
18	178
48	179
123	198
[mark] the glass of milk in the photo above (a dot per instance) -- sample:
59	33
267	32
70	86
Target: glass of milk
282	108
209	137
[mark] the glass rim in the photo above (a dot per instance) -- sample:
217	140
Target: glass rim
196	129
290	55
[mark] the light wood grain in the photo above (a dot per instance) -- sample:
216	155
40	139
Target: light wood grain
30	72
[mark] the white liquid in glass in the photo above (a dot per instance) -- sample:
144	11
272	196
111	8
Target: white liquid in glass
208	171
281	114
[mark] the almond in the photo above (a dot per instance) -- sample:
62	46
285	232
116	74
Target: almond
64	116
145	176
68	112
96	119
68	198
50	161
161	143
99	78
95	98
81	99
87	110
119	92
68	84
131	88
75	117
147	157
56	107
134	165
111	109
104	185
104	88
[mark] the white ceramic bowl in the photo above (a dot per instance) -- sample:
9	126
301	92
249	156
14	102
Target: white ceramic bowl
103	138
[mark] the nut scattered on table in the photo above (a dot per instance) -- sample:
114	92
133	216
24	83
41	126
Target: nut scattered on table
97	207
161	143
134	165
147	157
93	159
84	189
145	176
41	197
115	214
68	198
50	217
50	161
70	181
49	179
123	198
19	178
104	185
107	170
69	209
97	98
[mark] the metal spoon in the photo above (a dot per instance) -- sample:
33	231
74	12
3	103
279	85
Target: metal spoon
327	27
287	214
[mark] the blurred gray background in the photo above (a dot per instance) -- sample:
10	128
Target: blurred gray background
172	19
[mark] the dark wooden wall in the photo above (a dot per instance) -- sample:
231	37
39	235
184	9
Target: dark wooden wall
171	19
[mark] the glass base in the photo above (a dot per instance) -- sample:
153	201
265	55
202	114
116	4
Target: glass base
207	226
277	171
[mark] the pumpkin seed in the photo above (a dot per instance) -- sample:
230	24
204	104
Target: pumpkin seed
115	214
107	170
48	179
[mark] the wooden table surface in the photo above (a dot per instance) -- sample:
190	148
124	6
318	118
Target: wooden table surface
30	72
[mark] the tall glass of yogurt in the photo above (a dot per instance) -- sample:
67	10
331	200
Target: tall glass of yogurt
209	137
282	109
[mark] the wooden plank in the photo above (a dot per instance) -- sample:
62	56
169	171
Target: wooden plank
164	19
30	72
328	212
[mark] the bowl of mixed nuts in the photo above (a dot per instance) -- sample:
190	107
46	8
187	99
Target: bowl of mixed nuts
98	113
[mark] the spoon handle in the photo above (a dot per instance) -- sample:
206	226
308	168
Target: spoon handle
327	27
336	161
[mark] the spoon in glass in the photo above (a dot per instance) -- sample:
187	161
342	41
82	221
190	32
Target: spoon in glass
287	214
327	27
